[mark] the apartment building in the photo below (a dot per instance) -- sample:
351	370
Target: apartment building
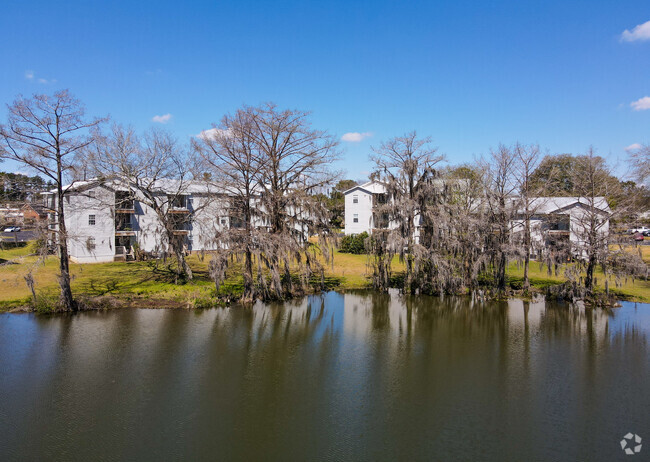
360	202
107	221
556	220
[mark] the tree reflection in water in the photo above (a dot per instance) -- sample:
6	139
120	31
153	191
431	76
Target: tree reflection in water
355	376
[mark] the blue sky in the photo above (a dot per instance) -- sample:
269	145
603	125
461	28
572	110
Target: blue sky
471	74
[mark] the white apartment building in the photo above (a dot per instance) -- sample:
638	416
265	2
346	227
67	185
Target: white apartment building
105	221
359	203
564	219
555	218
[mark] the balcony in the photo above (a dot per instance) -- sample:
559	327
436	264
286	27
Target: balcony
178	204
123	226
125	208
179	210
124	202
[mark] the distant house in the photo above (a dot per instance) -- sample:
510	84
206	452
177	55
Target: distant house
11	215
33	212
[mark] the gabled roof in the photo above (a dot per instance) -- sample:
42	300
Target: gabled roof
378	187
162	186
549	205
38	208
371	187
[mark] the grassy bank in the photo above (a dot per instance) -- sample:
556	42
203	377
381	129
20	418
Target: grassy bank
152	284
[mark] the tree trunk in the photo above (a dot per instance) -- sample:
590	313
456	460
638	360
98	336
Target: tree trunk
29	279
183	269
589	279
501	271
65	298
527	257
248	275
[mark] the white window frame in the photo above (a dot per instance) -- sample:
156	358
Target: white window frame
355	199
92	219
355	218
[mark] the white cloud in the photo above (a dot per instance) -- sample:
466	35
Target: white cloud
31	75
162	119
355	137
641	104
633	147
640	32
213	133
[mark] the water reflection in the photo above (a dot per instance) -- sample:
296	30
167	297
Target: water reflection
360	376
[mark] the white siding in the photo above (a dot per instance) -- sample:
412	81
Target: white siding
362	210
78	208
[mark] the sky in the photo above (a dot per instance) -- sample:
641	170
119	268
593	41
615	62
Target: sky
470	74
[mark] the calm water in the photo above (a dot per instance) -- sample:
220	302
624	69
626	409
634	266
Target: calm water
335	377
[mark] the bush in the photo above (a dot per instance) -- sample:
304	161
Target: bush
354	243
46	304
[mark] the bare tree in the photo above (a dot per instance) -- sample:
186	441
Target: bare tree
640	160
231	156
458	227
405	165
297	165
44	133
527	159
591	227
158	173
501	204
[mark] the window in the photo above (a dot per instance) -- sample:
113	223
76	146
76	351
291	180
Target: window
355	218
91	220
355	199
90	243
178	201
224	221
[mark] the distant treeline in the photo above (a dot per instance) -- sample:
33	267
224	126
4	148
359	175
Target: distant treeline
15	187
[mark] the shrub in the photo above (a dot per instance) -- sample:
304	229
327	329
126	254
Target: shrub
46	304
354	243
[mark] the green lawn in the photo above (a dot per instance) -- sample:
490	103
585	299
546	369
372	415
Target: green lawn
630	289
151	284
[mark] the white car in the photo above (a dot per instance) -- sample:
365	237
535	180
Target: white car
639	229
12	229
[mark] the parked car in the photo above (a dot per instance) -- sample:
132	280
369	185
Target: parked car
638	229
646	233
637	236
12	229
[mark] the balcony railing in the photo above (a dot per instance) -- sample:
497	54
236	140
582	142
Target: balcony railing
125	206
124	227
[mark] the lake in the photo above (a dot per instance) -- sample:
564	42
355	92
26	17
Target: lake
355	376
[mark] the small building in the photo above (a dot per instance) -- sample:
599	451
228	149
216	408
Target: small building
33	213
11	215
